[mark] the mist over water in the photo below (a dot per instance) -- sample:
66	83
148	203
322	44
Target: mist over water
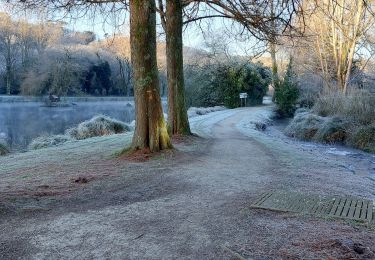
20	122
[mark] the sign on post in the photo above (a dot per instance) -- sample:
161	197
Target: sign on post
243	96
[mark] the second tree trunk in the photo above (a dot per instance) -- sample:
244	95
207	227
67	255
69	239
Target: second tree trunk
178	122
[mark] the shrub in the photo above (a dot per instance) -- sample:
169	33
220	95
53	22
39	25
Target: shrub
48	141
97	126
286	94
3	149
249	78
333	130
363	138
304	126
221	84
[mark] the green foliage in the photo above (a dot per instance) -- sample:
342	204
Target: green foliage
221	84
286	93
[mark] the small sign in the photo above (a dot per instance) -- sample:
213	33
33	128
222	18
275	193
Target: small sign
243	95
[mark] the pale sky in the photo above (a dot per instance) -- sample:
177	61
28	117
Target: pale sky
193	35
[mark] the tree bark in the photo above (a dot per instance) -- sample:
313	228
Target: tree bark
150	131
275	76
178	122
8	66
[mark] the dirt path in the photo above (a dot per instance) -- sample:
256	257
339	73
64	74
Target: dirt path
194	204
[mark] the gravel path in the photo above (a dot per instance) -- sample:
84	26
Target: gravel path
194	204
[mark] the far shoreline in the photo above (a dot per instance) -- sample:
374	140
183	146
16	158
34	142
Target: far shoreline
22	99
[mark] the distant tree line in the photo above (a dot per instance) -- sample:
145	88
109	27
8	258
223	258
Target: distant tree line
47	58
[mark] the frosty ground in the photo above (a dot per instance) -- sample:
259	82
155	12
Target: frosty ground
81	201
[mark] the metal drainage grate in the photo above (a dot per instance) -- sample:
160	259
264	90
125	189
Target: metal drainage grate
341	207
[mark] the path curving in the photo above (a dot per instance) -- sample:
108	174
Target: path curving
196	208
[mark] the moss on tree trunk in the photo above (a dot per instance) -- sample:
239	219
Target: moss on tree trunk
178	122
150	131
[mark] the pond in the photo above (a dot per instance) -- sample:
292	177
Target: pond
20	122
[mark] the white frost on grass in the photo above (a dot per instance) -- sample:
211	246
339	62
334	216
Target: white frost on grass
69	152
202	125
48	141
335	151
257	116
199	111
97	126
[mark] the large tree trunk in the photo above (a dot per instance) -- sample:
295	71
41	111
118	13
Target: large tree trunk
150	131
178	122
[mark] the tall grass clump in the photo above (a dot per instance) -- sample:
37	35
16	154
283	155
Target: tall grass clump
304	125
363	138
338	118
358	106
97	126
48	141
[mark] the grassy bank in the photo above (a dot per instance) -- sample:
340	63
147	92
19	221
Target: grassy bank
337	118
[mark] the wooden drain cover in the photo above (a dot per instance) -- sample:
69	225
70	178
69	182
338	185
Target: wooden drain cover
341	207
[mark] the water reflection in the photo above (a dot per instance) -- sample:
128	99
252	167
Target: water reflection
22	121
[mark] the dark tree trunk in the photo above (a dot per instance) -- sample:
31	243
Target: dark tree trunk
150	131
178	122
8	61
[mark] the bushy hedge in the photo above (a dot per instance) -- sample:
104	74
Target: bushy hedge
221	84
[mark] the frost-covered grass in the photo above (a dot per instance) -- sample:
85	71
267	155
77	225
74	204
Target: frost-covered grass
304	125
100	126
358	106
97	126
199	111
308	126
48	141
311	127
333	130
202	125
363	138
71	154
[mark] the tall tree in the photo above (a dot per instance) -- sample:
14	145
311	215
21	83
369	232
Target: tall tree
178	122
338	27
9	48
151	130
172	22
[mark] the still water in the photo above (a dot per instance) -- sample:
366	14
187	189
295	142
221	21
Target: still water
20	122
